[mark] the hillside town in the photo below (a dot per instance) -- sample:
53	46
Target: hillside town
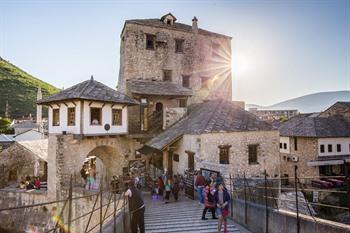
172	124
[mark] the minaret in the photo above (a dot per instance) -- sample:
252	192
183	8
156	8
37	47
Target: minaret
39	108
7	114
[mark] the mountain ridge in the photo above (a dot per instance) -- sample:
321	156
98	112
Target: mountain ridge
314	102
19	88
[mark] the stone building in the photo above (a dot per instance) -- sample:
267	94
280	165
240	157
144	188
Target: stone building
21	159
87	120
318	143
219	136
168	65
272	115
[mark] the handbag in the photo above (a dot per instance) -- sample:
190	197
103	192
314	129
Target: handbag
224	212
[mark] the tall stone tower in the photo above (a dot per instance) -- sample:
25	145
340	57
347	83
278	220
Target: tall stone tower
39	108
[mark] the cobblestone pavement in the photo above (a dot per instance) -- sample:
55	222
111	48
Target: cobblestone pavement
182	216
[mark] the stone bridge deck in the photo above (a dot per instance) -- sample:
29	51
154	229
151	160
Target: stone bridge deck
183	216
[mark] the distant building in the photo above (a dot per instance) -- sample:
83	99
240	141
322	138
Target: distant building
6	140
272	115
318	143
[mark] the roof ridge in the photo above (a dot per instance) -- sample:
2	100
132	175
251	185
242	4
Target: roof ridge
84	88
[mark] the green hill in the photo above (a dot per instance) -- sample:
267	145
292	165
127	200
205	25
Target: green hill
20	89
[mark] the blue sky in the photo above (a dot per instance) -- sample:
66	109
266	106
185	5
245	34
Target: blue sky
280	49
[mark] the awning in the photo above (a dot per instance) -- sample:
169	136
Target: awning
325	162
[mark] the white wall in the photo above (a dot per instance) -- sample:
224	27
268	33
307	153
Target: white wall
106	119
63	119
285	140
29	136
344	142
88	129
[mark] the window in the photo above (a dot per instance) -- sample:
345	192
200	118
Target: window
285	146
322	148
215	49
338	148
186	81
224	154
95	116
330	149
253	154
150	41
179	46
182	103
56	117
280	145
204	82
71	116
176	157
117	117
295	143
167	75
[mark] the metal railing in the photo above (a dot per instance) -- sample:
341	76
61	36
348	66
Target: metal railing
267	191
114	200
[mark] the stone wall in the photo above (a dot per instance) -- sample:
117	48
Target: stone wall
172	115
206	151
20	162
196	60
67	154
306	150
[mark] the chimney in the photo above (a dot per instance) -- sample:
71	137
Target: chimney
195	25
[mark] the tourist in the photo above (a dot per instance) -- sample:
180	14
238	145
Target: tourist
221	200
91	178
136	208
167	190
115	184
208	200
37	183
160	186
213	179
83	174
199	184
176	187
182	183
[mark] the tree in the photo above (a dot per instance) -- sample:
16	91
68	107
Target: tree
4	126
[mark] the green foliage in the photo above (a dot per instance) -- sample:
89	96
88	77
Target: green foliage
19	89
4	126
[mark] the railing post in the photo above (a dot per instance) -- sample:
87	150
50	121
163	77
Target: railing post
70	196
231	193
245	201
114	210
266	206
101	192
296	196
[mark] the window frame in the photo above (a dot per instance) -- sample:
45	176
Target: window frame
322	148
255	146
295	143
188	81
330	148
224	154
181	43
285	146
150	37
338	147
121	116
182	103
204	84
54	111
68	116
165	72
100	116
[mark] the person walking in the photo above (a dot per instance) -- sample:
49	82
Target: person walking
199	184
176	187
136	208
221	200
208	200
167	190
160	186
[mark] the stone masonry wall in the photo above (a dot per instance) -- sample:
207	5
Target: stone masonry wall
197	58
172	115
306	151
337	110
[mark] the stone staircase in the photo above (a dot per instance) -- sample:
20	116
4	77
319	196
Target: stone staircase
182	216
